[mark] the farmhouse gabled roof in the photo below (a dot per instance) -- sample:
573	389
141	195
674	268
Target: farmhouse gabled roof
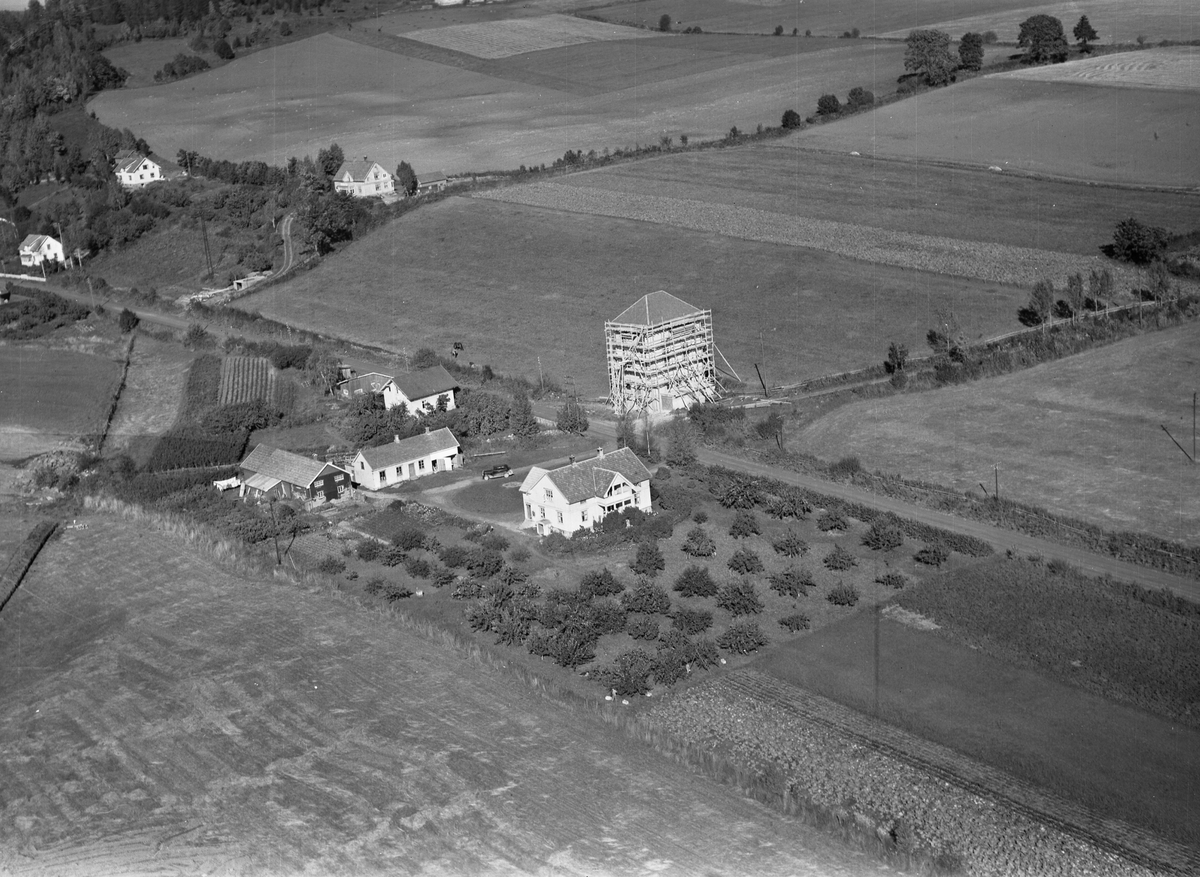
426	382
409	449
592	478
657	307
34	242
356	171
371	382
531	480
286	466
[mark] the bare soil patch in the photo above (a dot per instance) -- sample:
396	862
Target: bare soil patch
162	712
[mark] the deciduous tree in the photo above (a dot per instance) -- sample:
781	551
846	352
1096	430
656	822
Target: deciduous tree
927	52
329	160
791	119
828	105
970	51
664	23
1043	36
406	178
1138	243
572	418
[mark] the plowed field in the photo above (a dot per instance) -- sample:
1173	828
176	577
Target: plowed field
164	715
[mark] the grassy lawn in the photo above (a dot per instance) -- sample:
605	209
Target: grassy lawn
1081	436
1014	719
151	399
497	497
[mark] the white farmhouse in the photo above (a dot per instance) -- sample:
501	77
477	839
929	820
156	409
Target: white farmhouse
39	248
406	459
423	390
576	496
363	179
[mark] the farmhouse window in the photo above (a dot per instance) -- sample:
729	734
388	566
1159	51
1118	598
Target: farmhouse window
383	476
543	511
560	518
362	465
549	494
583	516
421	465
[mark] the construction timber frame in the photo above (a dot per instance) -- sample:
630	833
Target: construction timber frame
661	364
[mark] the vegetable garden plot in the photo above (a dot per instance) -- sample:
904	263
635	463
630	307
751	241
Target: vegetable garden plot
246	379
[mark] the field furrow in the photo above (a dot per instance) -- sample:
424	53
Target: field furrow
995	263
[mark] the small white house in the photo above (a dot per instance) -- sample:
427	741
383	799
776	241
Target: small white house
431	183
576	496
39	248
406	459
422	390
135	170
363	179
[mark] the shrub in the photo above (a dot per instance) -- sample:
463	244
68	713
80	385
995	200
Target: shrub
845	467
892	580
695	581
629	674
494	541
454	556
467	589
698	543
795	622
484	562
933	554
642	627
859	97
832	520
128	321
443	577
744	524
884	535
648	599
520	554
792	582
742	637
375	585
791	119
843	595
393	591
600	583
789	504
740	492
839	559
789	544
649	559
745	562
392	556
331	565
409	538
700	517
828	105
740	598
418	568
1138	243
692	621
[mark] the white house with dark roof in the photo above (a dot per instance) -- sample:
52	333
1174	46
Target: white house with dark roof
406	459
421	390
371	382
39	248
134	170
269	471
576	496
363	179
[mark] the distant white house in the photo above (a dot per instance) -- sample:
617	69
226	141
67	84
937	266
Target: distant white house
363	179
39	248
135	170
406	459
576	496
422	390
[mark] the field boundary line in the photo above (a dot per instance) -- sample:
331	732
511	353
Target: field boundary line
22	559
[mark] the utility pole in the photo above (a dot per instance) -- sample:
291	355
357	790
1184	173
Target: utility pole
207	251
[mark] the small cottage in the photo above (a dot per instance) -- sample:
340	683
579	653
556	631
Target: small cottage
406	459
363	179
39	248
272	472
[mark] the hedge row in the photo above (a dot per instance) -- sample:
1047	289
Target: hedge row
190	451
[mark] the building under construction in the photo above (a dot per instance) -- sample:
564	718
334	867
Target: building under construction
660	355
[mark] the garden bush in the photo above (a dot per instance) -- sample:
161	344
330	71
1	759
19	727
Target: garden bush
692	621
647	598
629	674
933	554
738	492
599	583
744	524
792	581
795	622
648	560
443	577
831	520
842	595
789	544
454	556
892	580
839	559
700	517
418	568
467	589
331	565
695	581
390	555
743	637
698	543
745	562
484	562
368	550
409	538
642	627
884	535
740	598
495	542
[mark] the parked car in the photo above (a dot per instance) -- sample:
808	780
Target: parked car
501	471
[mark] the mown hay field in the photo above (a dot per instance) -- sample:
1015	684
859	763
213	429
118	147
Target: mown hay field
1114	20
50	398
163	713
151	399
1081	436
293	100
501	39
515	283
1172	68
1099	133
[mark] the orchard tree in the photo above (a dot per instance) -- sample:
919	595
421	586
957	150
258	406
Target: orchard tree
970	51
572	418
927	53
1043	36
1085	33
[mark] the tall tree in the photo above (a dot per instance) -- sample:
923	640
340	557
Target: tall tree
1041	300
927	52
521	419
572	418
1138	243
970	51
1075	294
329	160
1043	36
1085	33
680	438
406	178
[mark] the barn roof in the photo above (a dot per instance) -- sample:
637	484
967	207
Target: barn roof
286	466
592	477
426	382
409	449
657	307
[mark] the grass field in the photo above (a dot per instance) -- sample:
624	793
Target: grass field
1080	436
501	39
163	714
496	276
151	400
146	57
1014	719
51	397
1114	20
1170	68
427	106
1023	123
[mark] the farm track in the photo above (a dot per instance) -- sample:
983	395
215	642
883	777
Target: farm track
995	263
1119	838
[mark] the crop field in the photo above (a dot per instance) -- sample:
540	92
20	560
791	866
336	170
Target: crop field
144	58
405	100
1115	21
493	275
165	714
1175	68
246	379
50	398
500	39
1101	133
151	400
1080	436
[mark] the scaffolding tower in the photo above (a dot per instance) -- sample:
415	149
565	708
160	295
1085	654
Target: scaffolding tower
660	355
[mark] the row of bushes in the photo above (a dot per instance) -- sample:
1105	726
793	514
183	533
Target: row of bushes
186	450
628	525
36	313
